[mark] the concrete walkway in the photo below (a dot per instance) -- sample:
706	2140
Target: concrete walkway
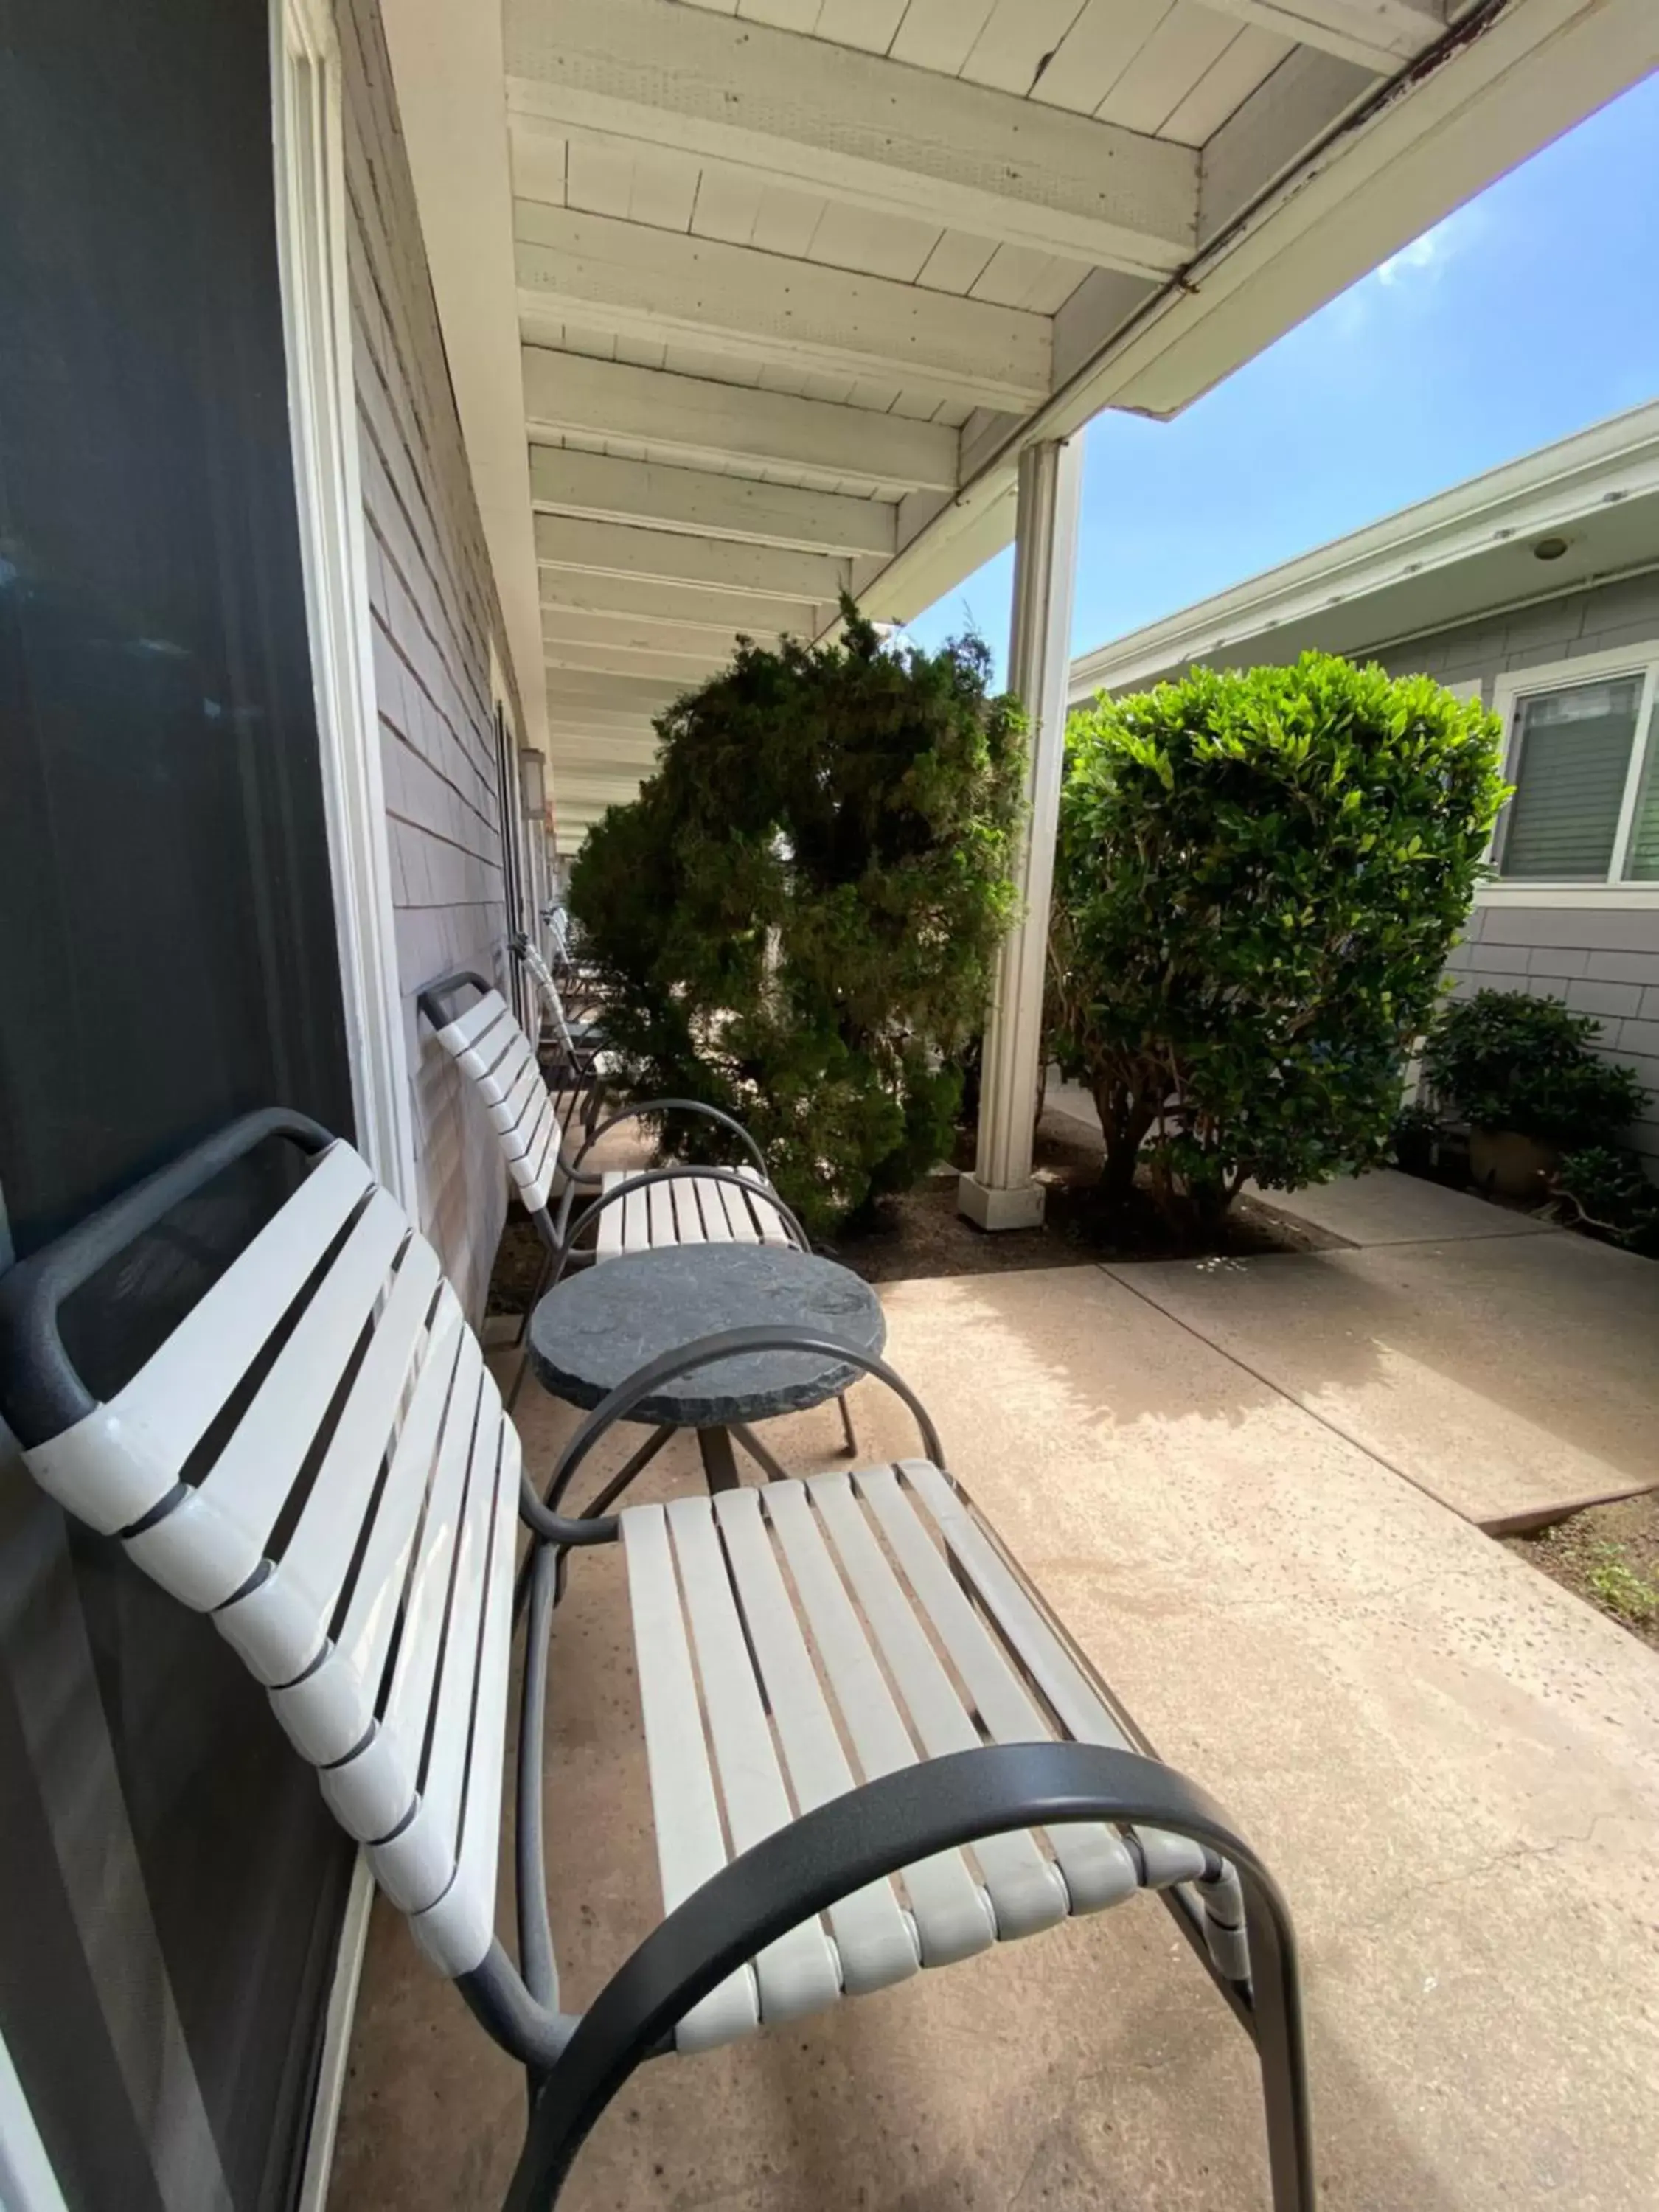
1510	1369
1451	1763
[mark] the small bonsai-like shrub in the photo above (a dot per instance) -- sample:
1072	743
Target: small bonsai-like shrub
1259	879
796	919
1506	1060
1605	1190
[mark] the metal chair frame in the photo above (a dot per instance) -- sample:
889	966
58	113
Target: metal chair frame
1225	1904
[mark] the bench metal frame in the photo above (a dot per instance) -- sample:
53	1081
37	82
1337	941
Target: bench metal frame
575	2064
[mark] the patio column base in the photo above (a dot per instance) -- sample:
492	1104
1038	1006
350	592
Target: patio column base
989	1207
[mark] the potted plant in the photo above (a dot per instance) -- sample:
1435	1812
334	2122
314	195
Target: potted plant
1521	1072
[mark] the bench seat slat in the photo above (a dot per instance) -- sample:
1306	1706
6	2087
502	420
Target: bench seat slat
690	1848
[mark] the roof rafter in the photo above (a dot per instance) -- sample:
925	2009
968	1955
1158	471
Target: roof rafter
856	126
1381	35
634	281
604	489
693	419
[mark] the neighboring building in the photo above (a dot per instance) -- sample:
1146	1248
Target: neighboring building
1537	586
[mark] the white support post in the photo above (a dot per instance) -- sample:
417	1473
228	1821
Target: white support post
1000	1193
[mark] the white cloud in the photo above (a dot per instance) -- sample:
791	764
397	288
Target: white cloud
1427	257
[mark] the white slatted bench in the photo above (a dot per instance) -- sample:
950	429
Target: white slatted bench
870	1749
631	1211
579	1060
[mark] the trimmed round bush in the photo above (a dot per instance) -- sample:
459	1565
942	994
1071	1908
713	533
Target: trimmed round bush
796	918
1505	1059
1259	877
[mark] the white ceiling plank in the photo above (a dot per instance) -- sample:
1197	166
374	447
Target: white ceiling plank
1097	50
670	558
676	669
646	599
728	201
955	261
867	24
855	126
599	175
1223	90
589	270
1016	39
700	421
939	34
1379	35
1187	44
599	488
539	153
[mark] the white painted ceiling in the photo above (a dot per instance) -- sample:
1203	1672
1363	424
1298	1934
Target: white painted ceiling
795	278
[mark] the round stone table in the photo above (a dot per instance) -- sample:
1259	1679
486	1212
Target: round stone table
596	1328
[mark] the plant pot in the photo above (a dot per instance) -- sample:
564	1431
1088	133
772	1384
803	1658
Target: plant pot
1504	1162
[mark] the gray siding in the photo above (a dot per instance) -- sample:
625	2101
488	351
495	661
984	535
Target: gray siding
434	613
1602	961
1603	619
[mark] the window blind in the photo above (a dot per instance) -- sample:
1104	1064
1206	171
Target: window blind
1643	861
1570	763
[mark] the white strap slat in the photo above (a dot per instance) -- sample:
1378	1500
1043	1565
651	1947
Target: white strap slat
953	1917
213	1541
636	1220
443	1782
409	1701
1169	1858
1025	1888
280	1626
488	1058
329	1711
542	1165
516	1113
1097	1864
876	1944
609	1240
691	1849
768	1219
800	1972
738	1220
688	1213
372	1610
467	1028
528	1135
497	1082
122	1459
660	1224
711	1212
456	1932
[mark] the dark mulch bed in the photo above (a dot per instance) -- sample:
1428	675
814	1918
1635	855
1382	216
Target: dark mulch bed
921	1234
1609	1555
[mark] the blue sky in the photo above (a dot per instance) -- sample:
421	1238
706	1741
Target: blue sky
1528	313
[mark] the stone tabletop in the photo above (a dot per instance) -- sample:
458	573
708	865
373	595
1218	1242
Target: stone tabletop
595	1329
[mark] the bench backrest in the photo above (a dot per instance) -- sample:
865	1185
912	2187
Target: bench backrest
542	975
317	1458
487	1044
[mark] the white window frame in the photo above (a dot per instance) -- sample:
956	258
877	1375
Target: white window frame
311	238
1509	691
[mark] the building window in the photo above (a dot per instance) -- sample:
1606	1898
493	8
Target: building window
1582	754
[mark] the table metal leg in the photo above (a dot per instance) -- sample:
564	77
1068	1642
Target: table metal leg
719	1460
757	1451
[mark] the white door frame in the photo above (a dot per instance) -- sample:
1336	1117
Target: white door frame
311	236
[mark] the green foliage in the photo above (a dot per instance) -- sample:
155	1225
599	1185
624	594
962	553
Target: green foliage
1259	877
1506	1060
796	916
1608	1191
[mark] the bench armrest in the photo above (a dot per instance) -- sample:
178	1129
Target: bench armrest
676	1106
837	1848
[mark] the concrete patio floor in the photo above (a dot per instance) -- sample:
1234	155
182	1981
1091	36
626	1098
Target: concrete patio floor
1451	1763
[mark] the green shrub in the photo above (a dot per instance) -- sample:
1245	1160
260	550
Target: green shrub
1259	879
1607	1191
796	918
1506	1060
